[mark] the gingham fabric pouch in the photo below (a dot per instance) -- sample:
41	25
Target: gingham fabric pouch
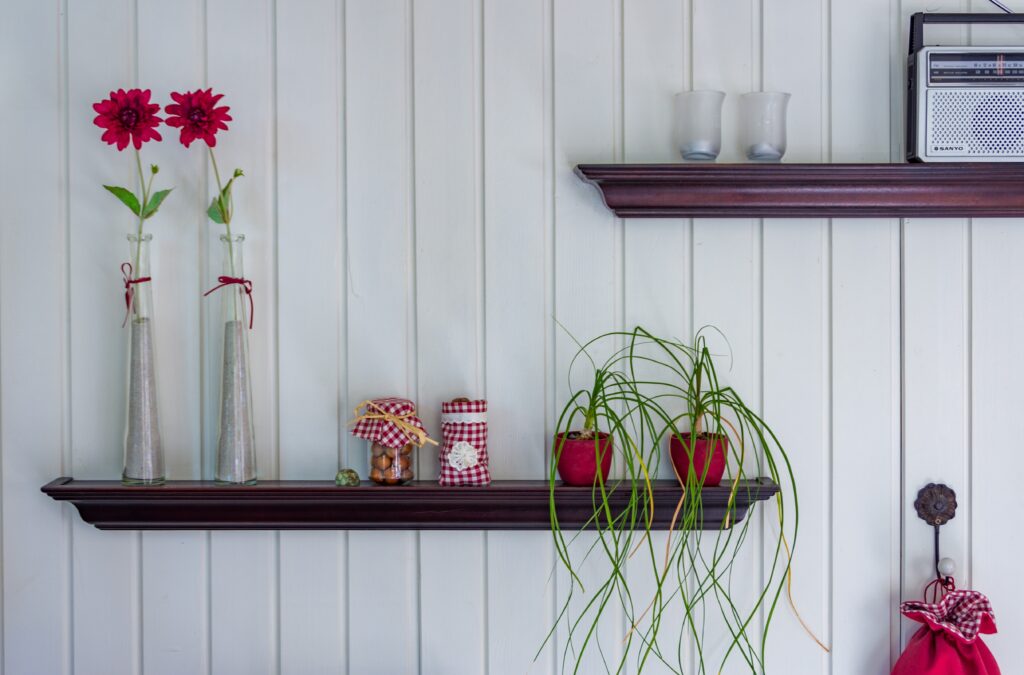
464	450
949	642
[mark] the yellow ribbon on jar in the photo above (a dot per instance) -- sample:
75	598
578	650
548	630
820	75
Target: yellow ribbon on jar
413	434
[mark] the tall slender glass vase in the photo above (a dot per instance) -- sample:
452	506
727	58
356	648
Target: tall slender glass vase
143	450
236	447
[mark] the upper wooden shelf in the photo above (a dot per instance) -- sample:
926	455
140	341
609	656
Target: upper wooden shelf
809	190
320	505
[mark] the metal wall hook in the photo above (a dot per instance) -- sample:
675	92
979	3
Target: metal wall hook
936	505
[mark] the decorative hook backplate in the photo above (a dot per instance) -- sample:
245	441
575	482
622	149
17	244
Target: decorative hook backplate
936	504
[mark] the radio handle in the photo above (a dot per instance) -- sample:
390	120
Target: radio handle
918	20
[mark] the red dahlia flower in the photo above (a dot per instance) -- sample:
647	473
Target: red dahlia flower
195	113
128	116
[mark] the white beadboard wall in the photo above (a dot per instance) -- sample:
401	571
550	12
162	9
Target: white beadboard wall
412	226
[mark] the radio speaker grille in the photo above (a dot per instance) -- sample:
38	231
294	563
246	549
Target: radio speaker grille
975	122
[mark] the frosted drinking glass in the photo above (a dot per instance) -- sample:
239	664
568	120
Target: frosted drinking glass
699	124
763	125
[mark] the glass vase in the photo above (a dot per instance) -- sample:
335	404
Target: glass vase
698	123
143	450
236	447
764	125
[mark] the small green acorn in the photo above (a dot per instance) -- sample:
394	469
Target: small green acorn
347	478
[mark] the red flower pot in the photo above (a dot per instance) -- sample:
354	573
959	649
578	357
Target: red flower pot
703	456
577	465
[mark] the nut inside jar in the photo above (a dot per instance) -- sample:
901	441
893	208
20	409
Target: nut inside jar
391	466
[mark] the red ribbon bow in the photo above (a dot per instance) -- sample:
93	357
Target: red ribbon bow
129	290
244	283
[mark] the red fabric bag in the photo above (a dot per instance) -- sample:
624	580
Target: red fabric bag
948	643
464	458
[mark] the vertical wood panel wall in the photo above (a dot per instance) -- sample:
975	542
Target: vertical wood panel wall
412	227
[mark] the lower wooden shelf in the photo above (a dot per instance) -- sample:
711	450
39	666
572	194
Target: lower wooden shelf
320	505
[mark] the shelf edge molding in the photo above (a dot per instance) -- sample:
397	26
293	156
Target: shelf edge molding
984	189
422	505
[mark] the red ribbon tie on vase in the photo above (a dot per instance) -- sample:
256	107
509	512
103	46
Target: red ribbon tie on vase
246	284
129	289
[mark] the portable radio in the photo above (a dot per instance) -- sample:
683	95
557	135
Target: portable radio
964	104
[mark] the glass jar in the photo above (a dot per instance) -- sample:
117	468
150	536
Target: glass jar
236	445
390	466
143	449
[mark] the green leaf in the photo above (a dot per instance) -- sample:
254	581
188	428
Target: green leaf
155	201
126	196
214	211
221	206
226	200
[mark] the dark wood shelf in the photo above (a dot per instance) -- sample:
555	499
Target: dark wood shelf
809	190
320	505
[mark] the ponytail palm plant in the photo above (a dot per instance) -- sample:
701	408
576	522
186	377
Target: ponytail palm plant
650	389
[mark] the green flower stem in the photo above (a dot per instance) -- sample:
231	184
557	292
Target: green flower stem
220	186
142	208
225	215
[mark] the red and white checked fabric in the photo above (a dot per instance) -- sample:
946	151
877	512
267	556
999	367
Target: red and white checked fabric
372	425
962	613
464	450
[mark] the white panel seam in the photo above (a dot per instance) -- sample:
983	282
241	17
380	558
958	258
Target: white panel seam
551	251
66	463
618	224
480	161
828	328
828	438
902	425
344	609
968	364
138	626
412	309
275	328
206	459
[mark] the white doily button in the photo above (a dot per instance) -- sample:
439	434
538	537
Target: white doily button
463	456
